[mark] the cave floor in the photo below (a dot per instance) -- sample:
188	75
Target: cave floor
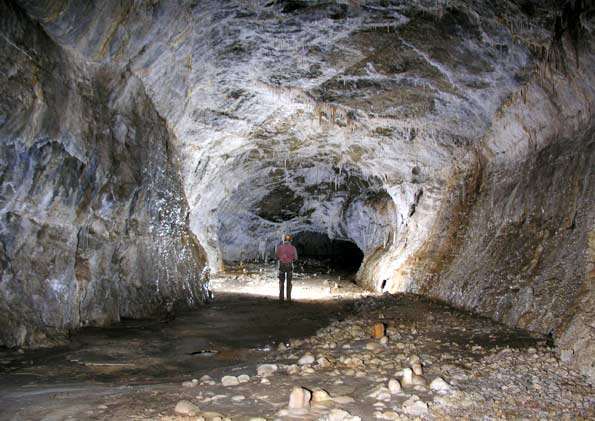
142	369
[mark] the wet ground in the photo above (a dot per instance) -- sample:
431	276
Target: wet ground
135	370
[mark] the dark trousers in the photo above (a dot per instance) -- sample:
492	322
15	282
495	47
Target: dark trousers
285	270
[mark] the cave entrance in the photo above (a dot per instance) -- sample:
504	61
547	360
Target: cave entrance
318	252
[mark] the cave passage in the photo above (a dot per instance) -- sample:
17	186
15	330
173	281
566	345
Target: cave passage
317	250
427	157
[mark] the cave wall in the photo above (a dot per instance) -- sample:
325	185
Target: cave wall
515	243
92	211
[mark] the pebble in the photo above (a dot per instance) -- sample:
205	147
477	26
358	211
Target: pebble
238	398
338	415
341	400
192	383
414	406
299	398
440	385
243	378
230	381
320	395
374	346
306	359
324	362
186	408
417	369
266	369
411	379
394	386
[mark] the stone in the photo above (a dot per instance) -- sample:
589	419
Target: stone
411	379
238	398
212	416
324	362
417	369
394	386
190	384
229	381
384	340
440	385
414	359
374	346
414	406
185	407
338	415
381	393
320	395
342	400
299	399
266	369
378	330
306	359
243	378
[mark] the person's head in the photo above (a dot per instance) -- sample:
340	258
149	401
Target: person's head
287	238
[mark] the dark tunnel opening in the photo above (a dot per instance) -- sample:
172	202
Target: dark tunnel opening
317	251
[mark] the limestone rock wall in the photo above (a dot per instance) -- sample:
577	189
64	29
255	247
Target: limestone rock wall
92	212
515	243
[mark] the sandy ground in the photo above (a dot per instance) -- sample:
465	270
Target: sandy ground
322	343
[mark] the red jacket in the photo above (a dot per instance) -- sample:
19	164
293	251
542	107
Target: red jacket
286	253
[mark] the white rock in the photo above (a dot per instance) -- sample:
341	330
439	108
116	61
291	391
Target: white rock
414	359
324	362
413	406
230	381
343	400
410	379
440	385
186	408
299	398
238	398
306	359
374	346
190	384
320	395
212	416
394	386
384	340
266	369
417	369
381	393
306	370
338	415
243	378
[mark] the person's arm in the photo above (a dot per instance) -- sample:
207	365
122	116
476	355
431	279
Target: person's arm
295	256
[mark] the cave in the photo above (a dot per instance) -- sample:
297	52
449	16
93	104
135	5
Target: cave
433	161
320	251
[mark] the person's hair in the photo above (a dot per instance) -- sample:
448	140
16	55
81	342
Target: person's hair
287	237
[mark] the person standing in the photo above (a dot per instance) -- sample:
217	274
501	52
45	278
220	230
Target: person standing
286	254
